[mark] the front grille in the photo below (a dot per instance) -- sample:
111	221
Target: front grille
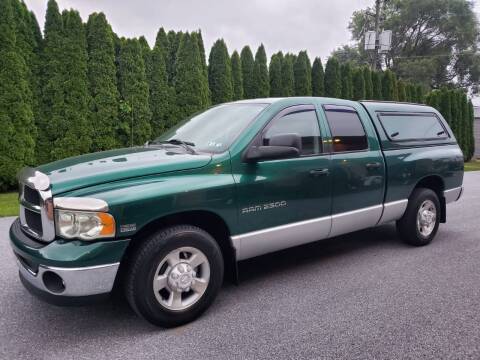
36	205
34	221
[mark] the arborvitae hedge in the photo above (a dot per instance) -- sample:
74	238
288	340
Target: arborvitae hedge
261	84
347	81
220	73
358	85
275	74
102	79
288	85
237	78
302	72
367	77
318	78
248	63
333	81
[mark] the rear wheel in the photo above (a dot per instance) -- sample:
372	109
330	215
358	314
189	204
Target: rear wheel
174	275
419	224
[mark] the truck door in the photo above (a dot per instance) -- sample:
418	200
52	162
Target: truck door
284	202
357	169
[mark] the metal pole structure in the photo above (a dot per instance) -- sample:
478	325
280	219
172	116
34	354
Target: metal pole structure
377	34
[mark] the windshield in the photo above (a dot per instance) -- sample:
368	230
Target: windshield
215	129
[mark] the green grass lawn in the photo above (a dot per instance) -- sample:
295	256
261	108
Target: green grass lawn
9	204
473	165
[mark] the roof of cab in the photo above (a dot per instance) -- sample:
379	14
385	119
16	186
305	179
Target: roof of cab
375	105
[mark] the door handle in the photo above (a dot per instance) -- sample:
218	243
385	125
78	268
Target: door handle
319	172
374	165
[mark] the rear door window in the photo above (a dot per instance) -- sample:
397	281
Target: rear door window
412	126
346	127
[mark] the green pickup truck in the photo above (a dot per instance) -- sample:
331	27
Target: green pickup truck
164	222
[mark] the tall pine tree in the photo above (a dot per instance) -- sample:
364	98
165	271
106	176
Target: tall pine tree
333	81
261	84
318	78
102	80
248	63
237	78
275	74
220	73
288	85
16	116
135	126
302	72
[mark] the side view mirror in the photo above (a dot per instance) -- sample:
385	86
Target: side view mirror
280	147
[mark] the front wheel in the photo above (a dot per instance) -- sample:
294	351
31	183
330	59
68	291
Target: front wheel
419	224
174	275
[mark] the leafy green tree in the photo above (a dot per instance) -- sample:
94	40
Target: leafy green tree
358	84
220	73
333	80
275	74
388	86
191	86
102	80
73	135
248	63
237	78
261	83
318	78
16	116
347	81
367	76
161	99
401	90
302	72
288	85
135	126
377	85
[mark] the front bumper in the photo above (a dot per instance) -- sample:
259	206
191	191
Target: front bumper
66	269
452	195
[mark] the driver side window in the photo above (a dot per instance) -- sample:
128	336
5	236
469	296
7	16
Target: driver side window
302	122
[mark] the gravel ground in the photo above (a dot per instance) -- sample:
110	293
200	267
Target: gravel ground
361	296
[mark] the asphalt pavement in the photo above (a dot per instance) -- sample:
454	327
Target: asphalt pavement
361	296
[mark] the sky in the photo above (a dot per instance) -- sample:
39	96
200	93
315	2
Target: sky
318	26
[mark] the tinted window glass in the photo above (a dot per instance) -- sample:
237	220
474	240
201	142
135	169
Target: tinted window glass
412	126
347	130
303	123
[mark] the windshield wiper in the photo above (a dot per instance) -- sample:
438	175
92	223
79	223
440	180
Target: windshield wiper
187	145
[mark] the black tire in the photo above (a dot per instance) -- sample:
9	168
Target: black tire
143	266
407	225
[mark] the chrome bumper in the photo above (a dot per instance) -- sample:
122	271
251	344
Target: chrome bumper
84	281
452	195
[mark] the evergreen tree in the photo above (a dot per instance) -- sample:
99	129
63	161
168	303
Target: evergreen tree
377	85
347	81
275	74
147	57
419	93
73	135
388	83
237	78
318	78
358	84
465	126
174	39
471	119
160	92
288	86
16	116
201	48
401	90
248	63
195	37
302	72
333	80
135	112
52	78
261	84
220	73
444	104
454	106
191	86
367	76
102	80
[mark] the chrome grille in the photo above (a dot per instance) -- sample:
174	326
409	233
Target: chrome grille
36	205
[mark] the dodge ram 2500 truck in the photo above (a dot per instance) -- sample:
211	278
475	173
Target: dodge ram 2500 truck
165	221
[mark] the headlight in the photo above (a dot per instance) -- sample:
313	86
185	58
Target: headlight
85	225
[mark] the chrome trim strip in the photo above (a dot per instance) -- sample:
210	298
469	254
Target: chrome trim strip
452	195
80	203
393	211
82	281
264	241
355	220
34	178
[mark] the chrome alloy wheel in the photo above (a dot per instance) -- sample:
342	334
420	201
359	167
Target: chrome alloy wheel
181	278
426	218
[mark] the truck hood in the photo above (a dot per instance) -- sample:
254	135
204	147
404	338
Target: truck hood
101	167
